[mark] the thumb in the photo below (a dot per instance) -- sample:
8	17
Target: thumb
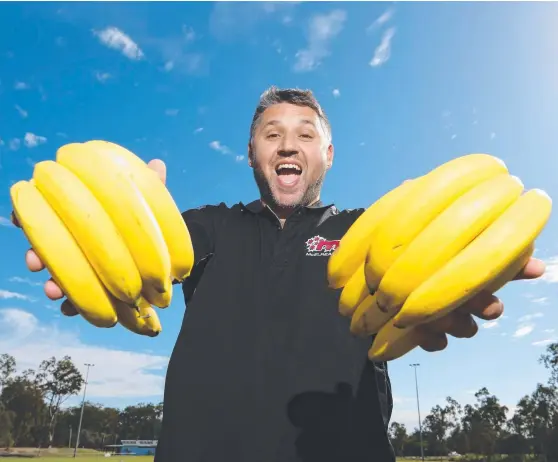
159	167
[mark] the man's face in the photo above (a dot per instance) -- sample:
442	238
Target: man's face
290	154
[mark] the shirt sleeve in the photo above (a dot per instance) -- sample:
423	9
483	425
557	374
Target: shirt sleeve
202	224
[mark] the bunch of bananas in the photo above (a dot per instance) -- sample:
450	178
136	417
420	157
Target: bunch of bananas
108	231
431	244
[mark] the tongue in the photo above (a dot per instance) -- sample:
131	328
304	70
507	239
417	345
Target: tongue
288	178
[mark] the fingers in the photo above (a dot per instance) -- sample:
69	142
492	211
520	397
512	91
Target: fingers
67	309
159	167
14	220
456	324
533	269
430	340
433	336
33	262
52	290
484	305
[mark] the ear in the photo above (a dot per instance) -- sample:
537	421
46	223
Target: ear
329	156
250	155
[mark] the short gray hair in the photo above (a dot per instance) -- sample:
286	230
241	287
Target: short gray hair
274	95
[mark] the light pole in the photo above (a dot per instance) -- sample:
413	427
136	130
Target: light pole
415	365
82	406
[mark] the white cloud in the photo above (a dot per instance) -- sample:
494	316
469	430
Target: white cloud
102	76
549	331
121	373
524	330
32	141
171	112
21	86
14	144
198	130
225	17
381	20
22	112
217	146
188	33
383	51
176	53
529	317
239	158
540	300
336	93
551	272
25	281
6	295
114	38
490	324
322	29
6	222
545	342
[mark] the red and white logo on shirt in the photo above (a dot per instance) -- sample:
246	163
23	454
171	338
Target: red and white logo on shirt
319	246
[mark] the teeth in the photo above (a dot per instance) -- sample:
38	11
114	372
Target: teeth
293	166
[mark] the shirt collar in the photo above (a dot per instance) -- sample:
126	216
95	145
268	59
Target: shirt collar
256	206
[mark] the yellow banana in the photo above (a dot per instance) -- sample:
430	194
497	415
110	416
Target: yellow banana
479	264
430	196
162	205
127	208
444	237
62	256
142	320
353	293
367	318
160	300
353	246
91	227
511	271
391	342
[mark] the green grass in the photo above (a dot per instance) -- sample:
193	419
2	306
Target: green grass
114	458
66	454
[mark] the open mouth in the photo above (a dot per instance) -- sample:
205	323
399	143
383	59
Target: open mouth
288	174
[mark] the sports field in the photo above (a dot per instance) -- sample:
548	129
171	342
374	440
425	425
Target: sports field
88	455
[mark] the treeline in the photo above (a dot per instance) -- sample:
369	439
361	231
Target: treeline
33	411
33	414
483	428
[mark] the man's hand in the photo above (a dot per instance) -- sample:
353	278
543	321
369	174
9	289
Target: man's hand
460	323
35	264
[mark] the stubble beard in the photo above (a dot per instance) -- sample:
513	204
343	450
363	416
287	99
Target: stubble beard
271	199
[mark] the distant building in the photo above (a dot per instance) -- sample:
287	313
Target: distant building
134	447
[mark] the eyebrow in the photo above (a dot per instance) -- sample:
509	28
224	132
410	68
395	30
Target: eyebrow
278	122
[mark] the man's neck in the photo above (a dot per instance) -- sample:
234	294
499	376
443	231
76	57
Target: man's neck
282	213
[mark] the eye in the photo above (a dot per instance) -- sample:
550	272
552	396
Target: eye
272	135
307	136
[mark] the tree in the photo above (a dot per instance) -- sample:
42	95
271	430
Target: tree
483	422
438	424
58	380
550	361
398	436
7	368
24	399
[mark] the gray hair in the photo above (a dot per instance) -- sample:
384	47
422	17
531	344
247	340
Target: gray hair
274	95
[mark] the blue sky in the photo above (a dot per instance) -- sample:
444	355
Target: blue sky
406	86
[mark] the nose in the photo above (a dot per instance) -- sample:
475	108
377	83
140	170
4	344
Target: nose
288	146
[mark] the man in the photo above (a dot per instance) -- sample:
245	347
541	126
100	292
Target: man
264	368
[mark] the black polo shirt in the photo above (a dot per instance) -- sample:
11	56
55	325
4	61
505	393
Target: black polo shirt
265	368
